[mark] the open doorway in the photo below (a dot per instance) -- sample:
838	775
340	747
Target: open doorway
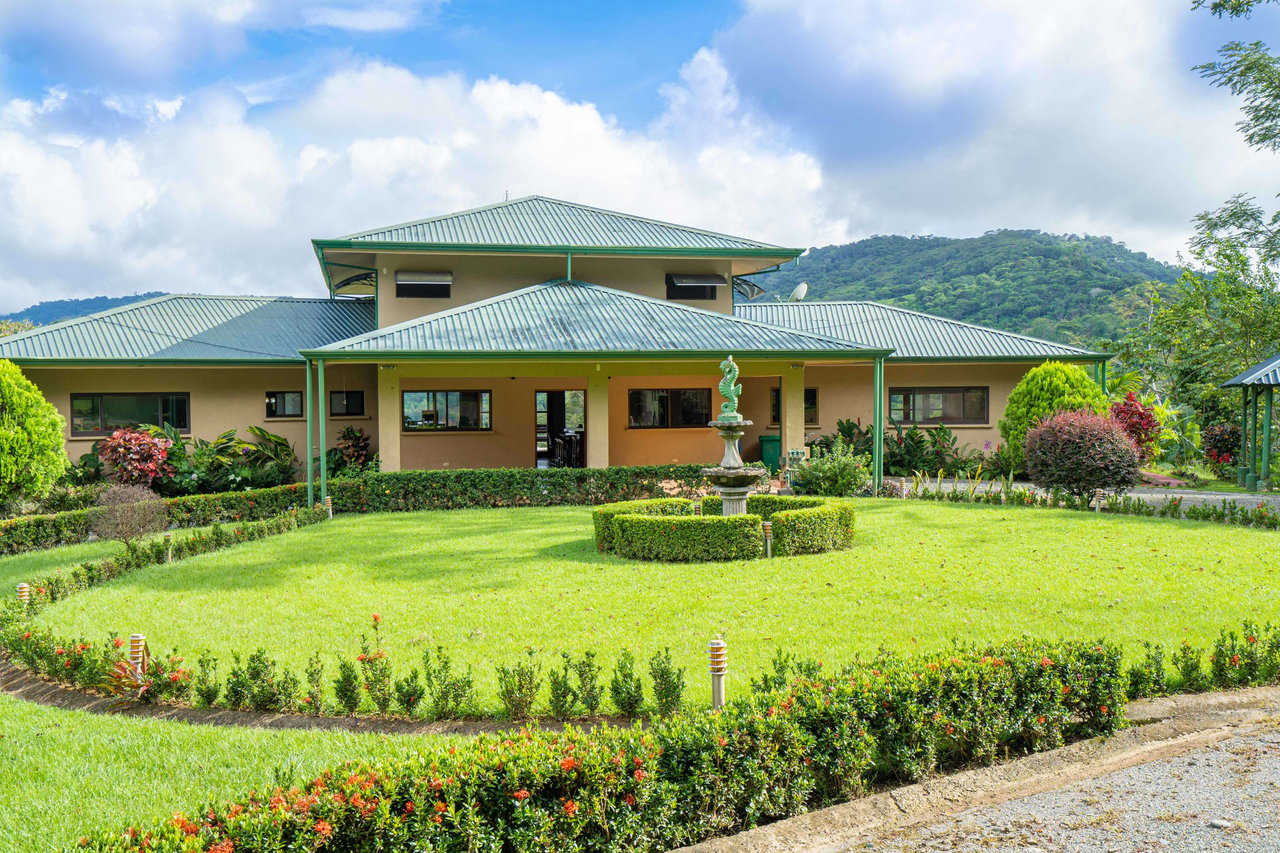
560	422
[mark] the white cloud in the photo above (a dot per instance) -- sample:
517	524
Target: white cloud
218	198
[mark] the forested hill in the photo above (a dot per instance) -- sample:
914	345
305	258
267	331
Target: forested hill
1066	288
44	313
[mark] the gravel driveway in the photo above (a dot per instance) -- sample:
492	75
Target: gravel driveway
1223	797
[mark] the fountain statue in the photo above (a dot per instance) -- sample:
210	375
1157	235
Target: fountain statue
731	480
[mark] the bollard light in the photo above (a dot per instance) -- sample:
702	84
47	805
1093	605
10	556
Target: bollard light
328	505
902	487
767	528
168	547
1097	500
24	594
137	647
697	508
719	669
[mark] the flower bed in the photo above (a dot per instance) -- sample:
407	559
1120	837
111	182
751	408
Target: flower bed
774	754
666	529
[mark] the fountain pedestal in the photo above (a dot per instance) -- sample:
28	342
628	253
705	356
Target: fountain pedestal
732	480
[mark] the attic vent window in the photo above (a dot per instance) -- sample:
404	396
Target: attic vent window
694	287
423	285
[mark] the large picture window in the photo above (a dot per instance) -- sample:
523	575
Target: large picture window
346	404
103	414
810	406
939	405
446	411
284	404
661	408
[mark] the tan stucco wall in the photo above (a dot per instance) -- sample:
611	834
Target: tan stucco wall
222	398
667	446
477	277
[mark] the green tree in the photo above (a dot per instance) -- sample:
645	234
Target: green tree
1044	391
12	327
32	457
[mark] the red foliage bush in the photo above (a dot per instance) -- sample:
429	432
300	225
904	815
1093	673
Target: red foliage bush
1221	442
1079	452
136	457
1140	424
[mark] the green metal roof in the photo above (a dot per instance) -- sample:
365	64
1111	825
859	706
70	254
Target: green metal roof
540	222
913	335
195	329
1267	373
569	319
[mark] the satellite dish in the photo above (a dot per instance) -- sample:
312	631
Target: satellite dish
802	289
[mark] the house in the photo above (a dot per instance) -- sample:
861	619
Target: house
529	332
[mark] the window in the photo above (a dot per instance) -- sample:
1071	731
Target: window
103	414
939	405
346	403
662	407
445	411
810	406
423	285
284	404
694	287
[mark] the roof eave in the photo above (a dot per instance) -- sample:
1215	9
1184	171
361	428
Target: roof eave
1091	356
154	362
519	248
559	355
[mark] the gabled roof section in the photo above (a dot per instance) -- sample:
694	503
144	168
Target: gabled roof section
537	221
570	319
913	335
186	329
1267	373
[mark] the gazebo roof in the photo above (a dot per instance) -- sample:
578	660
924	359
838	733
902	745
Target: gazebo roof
1266	374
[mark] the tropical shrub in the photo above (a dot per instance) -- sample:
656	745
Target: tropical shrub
834	472
448	695
906	451
32	458
1140	423
518	687
625	688
668	683
350	454
1043	392
1221	444
136	457
1080	452
227	462
128	513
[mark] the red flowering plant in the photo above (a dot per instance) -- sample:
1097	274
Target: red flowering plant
1139	423
136	457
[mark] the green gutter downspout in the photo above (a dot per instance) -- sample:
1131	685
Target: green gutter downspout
1242	464
568	266
1251	480
877	428
1102	375
310	445
1265	482
321	411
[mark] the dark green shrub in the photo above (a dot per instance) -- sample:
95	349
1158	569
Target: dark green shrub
836	472
32	457
239	688
409	692
1080	452
625	688
448	695
588	673
207	687
668	683
1188	661
267	691
518	687
1147	677
563	697
313	701
375	670
687	538
346	687
1043	392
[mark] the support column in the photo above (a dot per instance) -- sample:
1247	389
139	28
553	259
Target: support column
390	417
597	416
322	412
1102	375
1251	479
791	418
877	427
1265	482
309	447
1242	463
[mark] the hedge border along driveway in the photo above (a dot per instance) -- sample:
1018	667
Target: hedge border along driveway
399	491
666	530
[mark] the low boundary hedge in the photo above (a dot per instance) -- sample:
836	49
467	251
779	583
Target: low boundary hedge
395	491
683	779
666	530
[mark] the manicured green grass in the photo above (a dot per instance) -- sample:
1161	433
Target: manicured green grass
488	583
24	567
65	772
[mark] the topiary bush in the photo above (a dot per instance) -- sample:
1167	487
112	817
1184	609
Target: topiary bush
687	538
1043	392
32	457
1079	452
813	530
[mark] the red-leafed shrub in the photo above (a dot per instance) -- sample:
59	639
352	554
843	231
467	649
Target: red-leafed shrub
1139	422
1079	452
1220	442
136	457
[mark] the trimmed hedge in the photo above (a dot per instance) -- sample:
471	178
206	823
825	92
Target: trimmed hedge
683	779
602	516
687	538
37	532
813	530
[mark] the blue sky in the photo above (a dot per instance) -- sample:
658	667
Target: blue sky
169	145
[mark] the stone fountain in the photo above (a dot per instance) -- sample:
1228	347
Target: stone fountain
732	480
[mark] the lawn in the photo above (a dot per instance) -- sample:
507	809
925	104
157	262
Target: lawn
486	584
65	772
24	567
